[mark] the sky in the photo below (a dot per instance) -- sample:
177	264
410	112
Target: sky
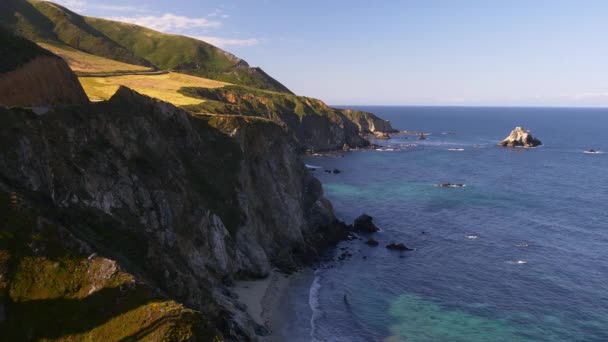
416	52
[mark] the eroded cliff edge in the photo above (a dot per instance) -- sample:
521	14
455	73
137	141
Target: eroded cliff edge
179	202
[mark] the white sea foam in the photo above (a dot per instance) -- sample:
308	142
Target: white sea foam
312	166
315	306
522	244
593	152
472	237
517	262
456	149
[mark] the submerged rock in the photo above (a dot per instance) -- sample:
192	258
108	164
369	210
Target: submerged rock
364	224
450	185
398	247
372	242
520	137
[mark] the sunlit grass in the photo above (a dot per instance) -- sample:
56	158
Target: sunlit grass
163	87
86	63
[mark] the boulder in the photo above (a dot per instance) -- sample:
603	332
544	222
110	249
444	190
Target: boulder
520	137
364	224
398	247
345	148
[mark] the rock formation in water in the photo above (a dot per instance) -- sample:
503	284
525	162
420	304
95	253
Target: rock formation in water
365	224
520	137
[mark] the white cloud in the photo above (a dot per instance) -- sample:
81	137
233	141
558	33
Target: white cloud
118	8
224	42
74	5
169	22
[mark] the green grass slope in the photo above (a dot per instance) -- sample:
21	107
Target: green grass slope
43	21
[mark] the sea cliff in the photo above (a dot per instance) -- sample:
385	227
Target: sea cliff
181	203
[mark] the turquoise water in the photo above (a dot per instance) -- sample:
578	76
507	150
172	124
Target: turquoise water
519	254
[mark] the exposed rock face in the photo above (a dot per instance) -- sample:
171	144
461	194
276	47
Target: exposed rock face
31	76
179	201
382	135
520	138
368	122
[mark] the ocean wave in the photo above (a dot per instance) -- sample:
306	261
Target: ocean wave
517	262
522	244
472	237
456	149
315	306
593	152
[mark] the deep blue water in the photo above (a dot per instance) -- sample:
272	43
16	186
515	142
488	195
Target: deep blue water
471	277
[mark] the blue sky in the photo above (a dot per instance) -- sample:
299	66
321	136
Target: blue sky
426	52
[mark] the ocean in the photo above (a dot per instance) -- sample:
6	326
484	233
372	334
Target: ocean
518	254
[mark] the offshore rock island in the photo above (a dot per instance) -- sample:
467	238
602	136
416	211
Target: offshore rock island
520	137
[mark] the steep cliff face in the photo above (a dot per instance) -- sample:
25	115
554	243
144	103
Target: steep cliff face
54	286
179	202
368	122
31	76
315	125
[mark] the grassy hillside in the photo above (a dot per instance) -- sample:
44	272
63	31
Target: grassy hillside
48	22
164	87
85	63
255	102
43	21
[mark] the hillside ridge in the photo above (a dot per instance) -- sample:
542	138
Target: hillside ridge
43	21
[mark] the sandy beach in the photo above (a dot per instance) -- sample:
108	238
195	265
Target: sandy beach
263	298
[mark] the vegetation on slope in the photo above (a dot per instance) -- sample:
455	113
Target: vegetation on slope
314	124
52	288
164	86
255	102
84	63
47	22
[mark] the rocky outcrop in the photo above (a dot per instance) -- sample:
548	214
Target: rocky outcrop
365	224
520	137
180	202
314	125
33	77
368	122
